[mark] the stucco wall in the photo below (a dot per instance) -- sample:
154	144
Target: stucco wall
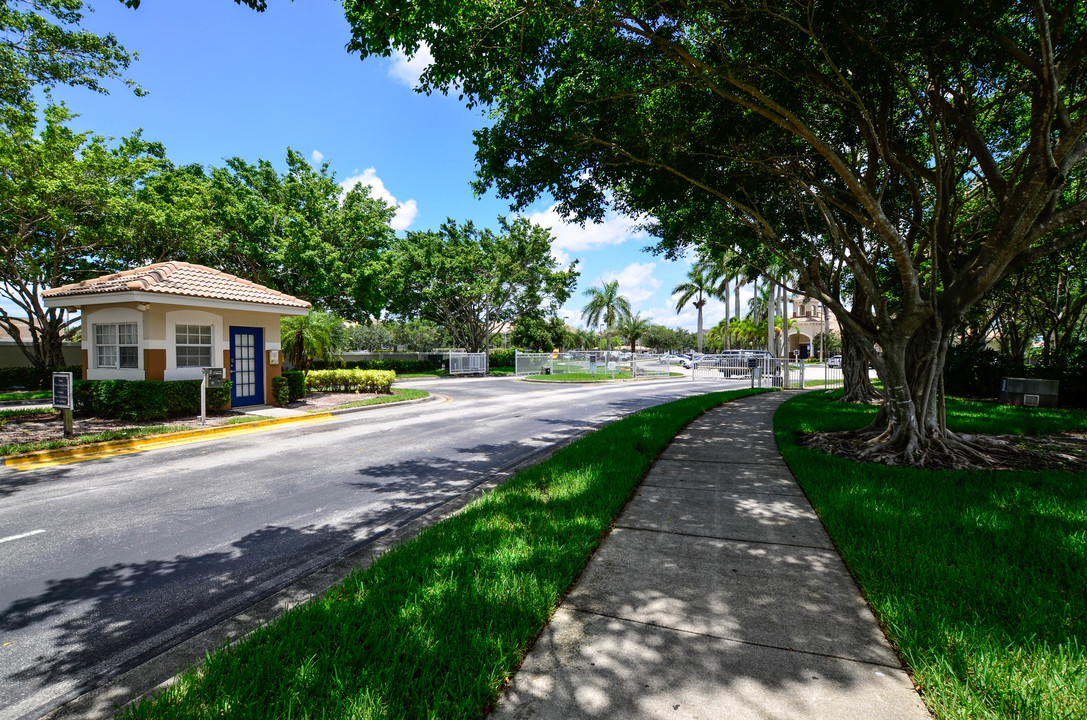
12	356
157	328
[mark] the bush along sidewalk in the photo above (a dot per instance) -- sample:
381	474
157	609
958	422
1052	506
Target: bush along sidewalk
434	628
977	576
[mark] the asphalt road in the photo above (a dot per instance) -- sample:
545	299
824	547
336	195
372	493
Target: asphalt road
104	564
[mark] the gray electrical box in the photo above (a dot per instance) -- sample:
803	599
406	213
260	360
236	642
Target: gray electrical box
1030	392
214	377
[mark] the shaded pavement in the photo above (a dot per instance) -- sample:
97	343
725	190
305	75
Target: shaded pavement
717	595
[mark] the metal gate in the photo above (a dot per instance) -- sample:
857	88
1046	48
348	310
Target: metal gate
759	369
467	363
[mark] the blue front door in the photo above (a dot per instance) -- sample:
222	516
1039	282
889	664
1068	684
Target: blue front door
246	366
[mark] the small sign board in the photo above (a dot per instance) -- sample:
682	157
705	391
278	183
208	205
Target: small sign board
214	377
62	391
752	363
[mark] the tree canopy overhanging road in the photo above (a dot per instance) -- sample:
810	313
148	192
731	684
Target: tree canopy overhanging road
107	563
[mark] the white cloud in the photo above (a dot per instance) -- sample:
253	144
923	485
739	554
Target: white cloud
636	282
405	211
571	238
407	70
317	156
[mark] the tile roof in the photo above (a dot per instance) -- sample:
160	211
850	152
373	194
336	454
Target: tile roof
179	278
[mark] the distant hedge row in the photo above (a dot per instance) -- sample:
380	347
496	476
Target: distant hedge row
400	366
143	400
350	380
28	378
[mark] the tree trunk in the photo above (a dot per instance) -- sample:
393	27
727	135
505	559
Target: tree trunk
857	385
699	305
728	341
770	310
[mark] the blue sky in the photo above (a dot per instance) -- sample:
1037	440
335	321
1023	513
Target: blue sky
226	81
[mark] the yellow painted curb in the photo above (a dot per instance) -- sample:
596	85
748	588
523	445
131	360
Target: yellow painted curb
38	458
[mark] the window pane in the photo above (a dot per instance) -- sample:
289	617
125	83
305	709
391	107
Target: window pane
130	356
127	334
107	356
105	334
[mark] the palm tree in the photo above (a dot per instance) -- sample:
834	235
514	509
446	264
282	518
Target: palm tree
605	303
306	338
700	286
632	327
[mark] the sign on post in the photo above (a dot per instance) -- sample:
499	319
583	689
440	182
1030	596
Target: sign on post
215	377
63	400
62	391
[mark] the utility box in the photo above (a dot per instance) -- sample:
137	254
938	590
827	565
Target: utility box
1029	392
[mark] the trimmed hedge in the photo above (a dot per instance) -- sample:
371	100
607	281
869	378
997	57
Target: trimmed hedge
504	357
296	384
350	380
30	378
281	392
401	366
144	400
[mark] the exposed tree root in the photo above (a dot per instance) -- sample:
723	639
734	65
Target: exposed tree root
1066	452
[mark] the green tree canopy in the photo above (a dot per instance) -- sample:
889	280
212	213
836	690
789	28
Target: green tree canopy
299	233
898	158
471	281
42	46
63	206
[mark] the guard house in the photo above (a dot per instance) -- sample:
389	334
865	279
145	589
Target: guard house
169	320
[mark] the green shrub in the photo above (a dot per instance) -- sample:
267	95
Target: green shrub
143	400
296	383
29	378
281	392
503	357
350	380
401	366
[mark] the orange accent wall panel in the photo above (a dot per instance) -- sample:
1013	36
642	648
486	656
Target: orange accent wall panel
154	364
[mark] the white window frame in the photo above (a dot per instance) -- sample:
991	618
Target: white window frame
192	317
202	332
123	335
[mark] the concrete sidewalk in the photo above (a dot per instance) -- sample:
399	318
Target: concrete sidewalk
718	595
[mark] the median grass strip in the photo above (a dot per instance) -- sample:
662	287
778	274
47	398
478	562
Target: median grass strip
400	395
26	395
123	434
977	577
434	628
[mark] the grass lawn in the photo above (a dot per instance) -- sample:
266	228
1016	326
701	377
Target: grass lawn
433	628
979	578
15	412
14	448
399	395
26	395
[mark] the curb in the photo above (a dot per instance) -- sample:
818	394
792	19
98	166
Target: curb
147	442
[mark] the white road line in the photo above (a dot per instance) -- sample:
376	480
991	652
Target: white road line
20	537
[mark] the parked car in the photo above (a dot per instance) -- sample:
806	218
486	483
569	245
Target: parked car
834	361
